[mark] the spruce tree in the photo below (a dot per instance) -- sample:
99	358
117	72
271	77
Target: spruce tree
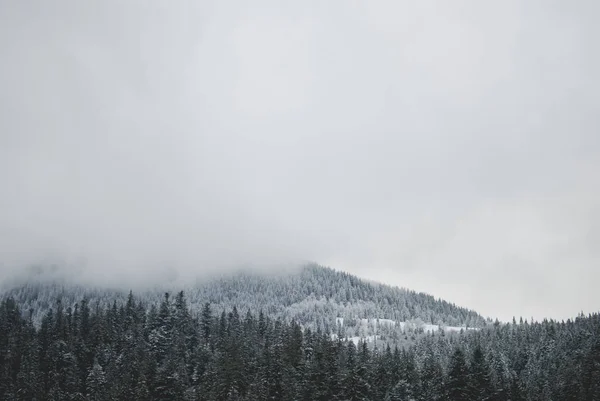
481	389
458	386
96	383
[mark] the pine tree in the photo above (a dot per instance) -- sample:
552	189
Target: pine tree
96	383
458	386
29	385
206	323
402	391
356	384
431	379
480	376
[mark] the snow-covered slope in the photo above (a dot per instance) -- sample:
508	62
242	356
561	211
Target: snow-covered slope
373	330
316	297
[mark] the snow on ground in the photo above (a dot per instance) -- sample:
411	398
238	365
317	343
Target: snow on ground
357	339
406	325
435	327
428	328
377	322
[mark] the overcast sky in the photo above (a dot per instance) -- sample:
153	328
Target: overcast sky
448	147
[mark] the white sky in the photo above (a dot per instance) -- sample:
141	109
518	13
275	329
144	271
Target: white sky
448	147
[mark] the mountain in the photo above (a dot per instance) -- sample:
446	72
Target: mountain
314	296
146	350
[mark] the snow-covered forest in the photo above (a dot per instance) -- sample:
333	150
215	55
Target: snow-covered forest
316	334
315	297
129	352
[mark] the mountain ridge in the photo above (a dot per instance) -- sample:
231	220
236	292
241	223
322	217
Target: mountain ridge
312	295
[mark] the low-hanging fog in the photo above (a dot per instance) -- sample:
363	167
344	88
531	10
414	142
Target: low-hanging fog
447	147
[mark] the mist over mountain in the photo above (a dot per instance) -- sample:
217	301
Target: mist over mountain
316	297
451	148
169	171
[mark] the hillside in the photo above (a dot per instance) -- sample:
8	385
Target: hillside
314	296
126	353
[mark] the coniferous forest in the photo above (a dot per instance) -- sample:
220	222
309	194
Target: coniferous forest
163	351
314	296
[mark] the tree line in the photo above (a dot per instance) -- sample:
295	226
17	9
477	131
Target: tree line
163	351
313	296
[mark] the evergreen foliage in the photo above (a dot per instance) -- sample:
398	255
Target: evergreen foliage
312	296
122	351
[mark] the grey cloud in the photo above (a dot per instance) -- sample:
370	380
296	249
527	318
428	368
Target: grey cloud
449	147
